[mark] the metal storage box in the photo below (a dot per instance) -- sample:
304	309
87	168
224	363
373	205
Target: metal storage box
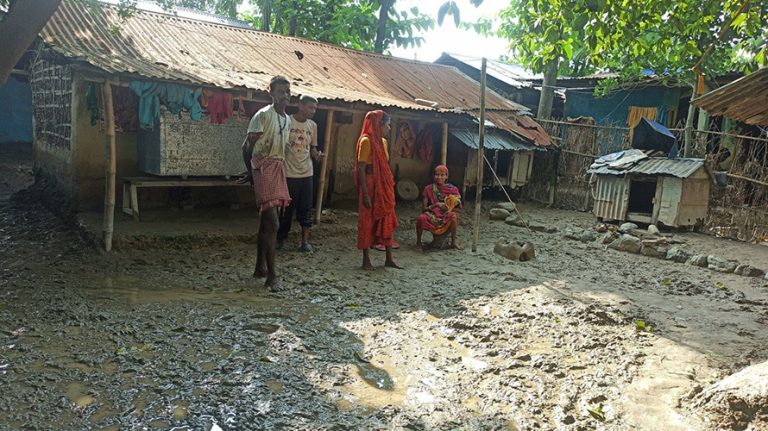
182	147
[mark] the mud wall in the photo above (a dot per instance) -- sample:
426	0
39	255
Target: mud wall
51	86
89	152
343	158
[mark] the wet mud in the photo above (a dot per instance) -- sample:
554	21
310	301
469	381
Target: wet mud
181	337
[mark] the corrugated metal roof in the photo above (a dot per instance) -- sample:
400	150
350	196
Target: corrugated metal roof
681	168
512	74
163	46
522	125
493	141
745	99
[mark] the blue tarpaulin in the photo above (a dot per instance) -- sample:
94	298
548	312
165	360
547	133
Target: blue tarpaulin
15	111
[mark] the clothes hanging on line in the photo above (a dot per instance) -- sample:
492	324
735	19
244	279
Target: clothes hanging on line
219	106
174	97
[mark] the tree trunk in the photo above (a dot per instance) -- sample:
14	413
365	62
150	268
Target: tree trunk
266	14
548	91
688	133
381	30
19	29
293	22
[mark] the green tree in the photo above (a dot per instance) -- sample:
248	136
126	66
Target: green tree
624	36
371	25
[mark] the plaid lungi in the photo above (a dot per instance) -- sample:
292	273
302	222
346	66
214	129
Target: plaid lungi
269	182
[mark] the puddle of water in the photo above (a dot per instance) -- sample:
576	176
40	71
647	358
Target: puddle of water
103	413
374	376
375	386
275	386
266	328
78	394
180	411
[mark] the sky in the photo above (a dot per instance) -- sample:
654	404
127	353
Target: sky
447	38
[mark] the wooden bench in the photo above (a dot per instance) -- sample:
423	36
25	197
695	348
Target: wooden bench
132	184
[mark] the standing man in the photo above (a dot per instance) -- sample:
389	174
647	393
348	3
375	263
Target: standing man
302	149
264	155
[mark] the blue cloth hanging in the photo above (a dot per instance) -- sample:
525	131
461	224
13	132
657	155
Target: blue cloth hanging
174	97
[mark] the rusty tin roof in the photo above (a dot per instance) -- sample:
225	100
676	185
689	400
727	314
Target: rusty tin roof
745	99
681	168
164	46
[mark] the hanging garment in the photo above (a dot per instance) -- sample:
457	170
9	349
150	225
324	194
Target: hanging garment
174	97
424	144
219	106
406	140
126	106
92	103
636	113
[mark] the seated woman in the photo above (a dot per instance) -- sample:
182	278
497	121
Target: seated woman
441	203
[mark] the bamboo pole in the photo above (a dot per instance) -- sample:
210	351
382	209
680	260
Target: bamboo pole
111	167
444	146
480	156
752	180
327	146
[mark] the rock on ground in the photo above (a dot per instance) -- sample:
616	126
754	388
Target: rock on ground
740	401
654	248
749	271
628	243
515	250
498	214
626	227
509	206
515	220
678	255
609	237
720	265
698	260
588	235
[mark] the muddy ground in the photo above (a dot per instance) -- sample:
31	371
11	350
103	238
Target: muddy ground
181	337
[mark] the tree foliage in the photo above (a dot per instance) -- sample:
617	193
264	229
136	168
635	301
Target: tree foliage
629	36
349	23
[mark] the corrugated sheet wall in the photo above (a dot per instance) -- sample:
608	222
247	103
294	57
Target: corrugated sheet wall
611	197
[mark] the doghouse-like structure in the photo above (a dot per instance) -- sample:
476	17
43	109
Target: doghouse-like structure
630	186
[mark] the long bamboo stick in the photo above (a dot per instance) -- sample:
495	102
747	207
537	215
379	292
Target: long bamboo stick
111	167
480	156
444	146
327	146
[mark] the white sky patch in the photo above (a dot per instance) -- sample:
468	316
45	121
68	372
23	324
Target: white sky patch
448	38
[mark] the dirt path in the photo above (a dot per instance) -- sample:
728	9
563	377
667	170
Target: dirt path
182	337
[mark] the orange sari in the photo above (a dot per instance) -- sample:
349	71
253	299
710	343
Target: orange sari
377	224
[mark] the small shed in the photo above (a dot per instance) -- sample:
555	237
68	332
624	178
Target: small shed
511	158
635	187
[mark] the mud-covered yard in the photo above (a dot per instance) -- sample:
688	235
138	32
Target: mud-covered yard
181	337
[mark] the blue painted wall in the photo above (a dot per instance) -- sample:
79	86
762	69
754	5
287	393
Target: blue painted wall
15	111
613	109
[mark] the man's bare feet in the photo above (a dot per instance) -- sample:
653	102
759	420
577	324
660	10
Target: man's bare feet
274	284
392	264
259	272
419	247
457	246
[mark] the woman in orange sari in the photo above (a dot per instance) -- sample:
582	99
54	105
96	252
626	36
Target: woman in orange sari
375	189
439	209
